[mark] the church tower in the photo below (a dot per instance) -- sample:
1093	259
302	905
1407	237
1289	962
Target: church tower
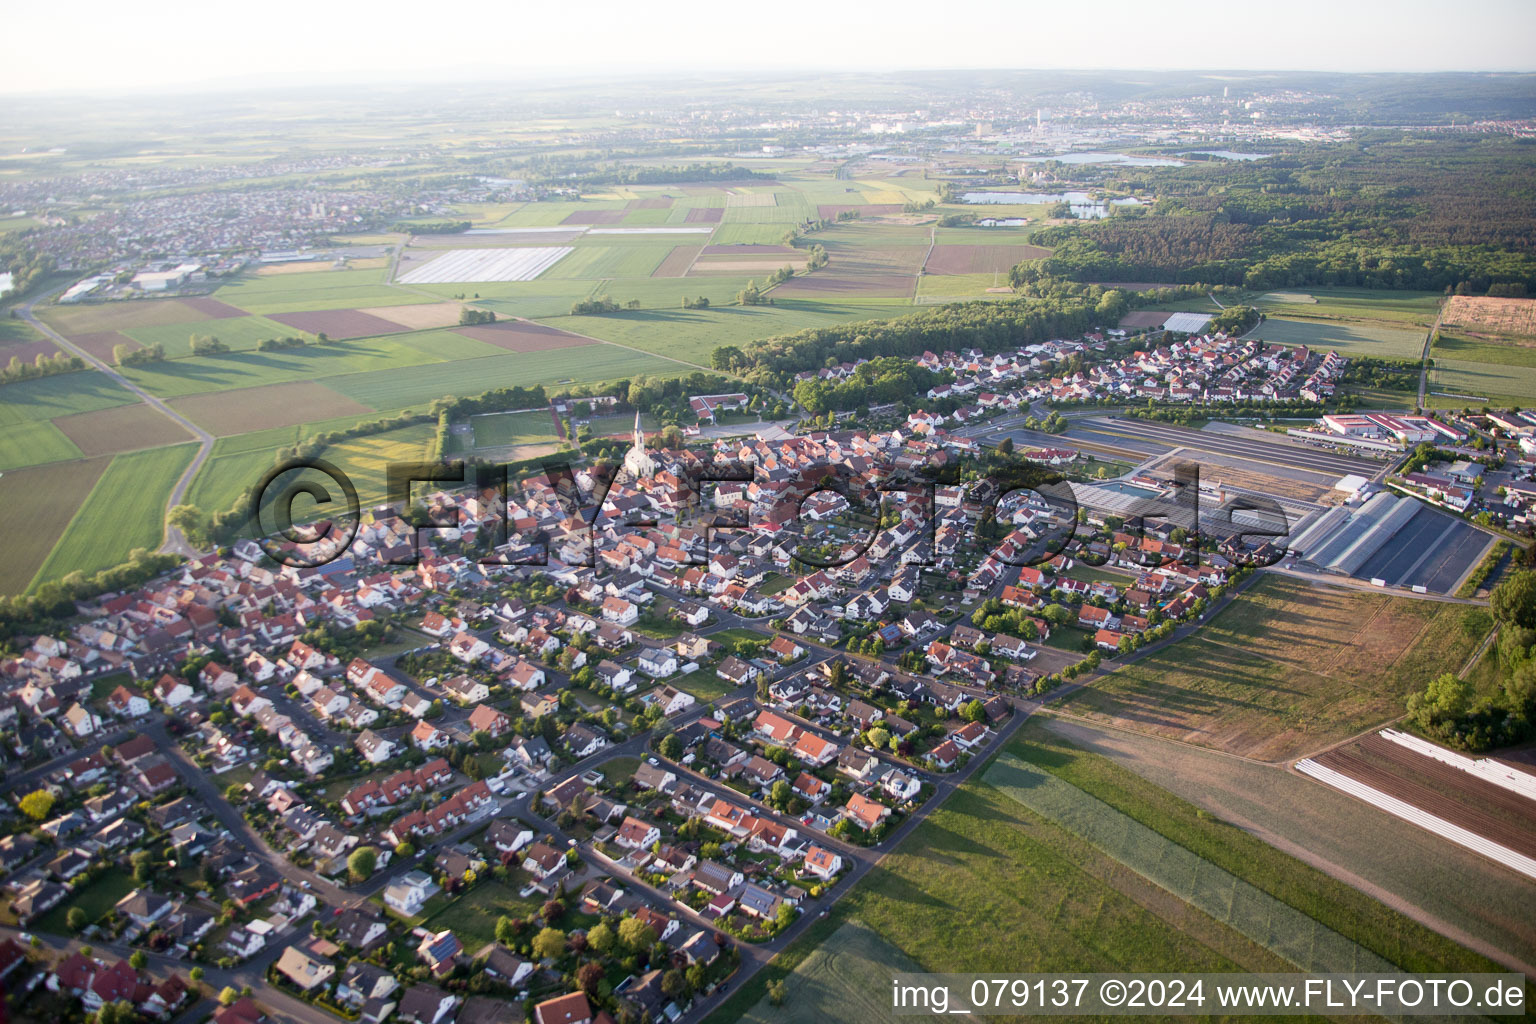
638	461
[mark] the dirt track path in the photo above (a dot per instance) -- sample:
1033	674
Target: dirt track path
173	541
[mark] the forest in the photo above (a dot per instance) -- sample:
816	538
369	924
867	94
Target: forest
1383	211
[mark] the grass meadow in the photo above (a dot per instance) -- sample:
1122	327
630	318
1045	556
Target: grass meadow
1286	668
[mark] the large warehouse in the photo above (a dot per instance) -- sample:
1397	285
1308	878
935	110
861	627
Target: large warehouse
1392	538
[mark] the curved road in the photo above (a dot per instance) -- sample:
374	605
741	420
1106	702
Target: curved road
175	541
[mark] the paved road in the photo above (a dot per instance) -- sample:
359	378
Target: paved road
174	540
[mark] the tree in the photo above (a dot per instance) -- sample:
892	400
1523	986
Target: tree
37	804
589	977
636	934
549	943
1445	699
670	746
361	863
139	960
600	938
778	992
196	974
974	712
673	983
506	930
76	919
228	995
1514	600
786	915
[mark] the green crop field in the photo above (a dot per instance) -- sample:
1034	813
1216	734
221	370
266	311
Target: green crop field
367	459
35	507
692	334
27	438
419	385
851	970
240	333
1353	304
197	374
334	289
500	429
606	261
1502	374
1287	668
1380	341
239	462
1058	891
125	510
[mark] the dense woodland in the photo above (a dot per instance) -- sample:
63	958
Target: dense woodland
1384	211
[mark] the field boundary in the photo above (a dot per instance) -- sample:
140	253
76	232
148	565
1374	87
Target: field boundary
1239	904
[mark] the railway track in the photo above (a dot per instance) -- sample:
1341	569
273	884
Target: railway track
1255	450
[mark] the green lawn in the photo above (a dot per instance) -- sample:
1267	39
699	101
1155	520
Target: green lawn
499	429
472	917
95	898
705	685
125	510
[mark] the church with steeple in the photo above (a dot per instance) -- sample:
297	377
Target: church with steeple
638	461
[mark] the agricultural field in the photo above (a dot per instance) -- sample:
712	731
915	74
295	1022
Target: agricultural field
240	333
243	410
1052	891
125	510
1377	340
239	462
35	508
122	428
394	332
28	437
1369	851
19	340
515	264
1285	669
1477	805
692	334
1497	373
1353	304
1497	319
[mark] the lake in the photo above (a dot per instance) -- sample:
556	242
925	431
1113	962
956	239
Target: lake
1226	154
1084	206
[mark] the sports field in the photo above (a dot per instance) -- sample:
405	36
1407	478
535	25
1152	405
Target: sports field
502	429
1286	669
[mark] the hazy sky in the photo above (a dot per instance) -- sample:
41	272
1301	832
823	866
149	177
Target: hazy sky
108	45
